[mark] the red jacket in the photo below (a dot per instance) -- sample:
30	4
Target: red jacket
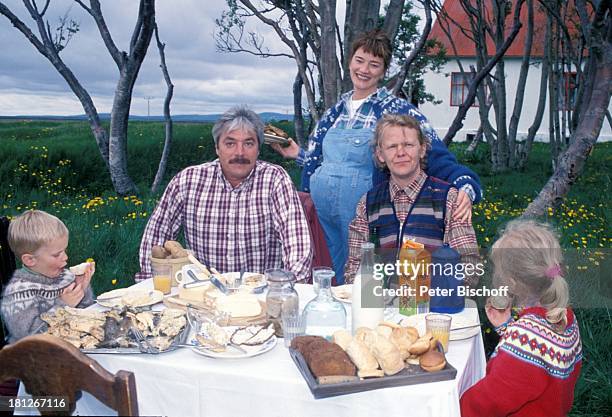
532	372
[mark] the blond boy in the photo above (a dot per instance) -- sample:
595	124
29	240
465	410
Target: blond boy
43	283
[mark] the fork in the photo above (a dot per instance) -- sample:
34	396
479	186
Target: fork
143	343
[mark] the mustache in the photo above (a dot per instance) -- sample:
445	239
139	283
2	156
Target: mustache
240	160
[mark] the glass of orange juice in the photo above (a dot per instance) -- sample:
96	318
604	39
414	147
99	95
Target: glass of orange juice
162	279
439	325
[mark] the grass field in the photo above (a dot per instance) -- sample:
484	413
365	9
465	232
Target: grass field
55	166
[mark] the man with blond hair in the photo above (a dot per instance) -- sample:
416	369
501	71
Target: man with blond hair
43	284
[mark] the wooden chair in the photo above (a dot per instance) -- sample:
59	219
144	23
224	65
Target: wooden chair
49	366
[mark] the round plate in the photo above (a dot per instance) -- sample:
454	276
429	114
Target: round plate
418	321
232	353
123	296
254	287
343	293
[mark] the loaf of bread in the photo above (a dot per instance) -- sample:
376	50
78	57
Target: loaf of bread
323	358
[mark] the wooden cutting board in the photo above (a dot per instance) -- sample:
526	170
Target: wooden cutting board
261	319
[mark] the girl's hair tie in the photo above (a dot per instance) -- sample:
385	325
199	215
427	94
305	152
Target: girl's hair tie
553	272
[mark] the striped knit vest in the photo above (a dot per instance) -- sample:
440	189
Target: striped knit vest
424	222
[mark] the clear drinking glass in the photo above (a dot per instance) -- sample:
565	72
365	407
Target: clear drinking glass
293	326
282	299
439	325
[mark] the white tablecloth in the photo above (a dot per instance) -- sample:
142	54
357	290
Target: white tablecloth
183	383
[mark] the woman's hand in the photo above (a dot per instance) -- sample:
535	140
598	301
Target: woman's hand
497	317
72	294
463	209
288	152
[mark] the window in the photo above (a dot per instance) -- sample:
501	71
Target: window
567	99
460	83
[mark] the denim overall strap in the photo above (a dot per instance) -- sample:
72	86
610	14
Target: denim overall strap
337	185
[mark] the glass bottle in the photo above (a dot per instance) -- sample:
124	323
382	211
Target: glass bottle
367	307
282	299
324	315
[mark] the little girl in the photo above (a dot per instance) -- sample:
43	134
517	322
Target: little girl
536	364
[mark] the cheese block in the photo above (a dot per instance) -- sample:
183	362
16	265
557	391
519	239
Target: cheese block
193	294
239	305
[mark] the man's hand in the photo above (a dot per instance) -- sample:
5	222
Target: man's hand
288	152
497	317
85	278
463	210
72	294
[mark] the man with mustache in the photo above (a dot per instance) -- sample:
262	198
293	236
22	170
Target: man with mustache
237	212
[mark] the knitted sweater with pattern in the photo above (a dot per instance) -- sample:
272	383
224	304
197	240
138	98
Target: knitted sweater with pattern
532	372
28	295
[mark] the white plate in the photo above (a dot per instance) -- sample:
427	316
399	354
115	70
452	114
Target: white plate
343	293
120	297
418	321
232	353
255	287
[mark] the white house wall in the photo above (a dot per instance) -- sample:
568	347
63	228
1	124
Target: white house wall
441	115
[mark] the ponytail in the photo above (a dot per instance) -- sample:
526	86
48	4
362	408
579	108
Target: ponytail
555	300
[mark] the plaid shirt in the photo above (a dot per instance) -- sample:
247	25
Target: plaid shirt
441	163
458	234
260	224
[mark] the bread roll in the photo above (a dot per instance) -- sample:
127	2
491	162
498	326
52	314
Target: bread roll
342	338
387	355
366	335
403	338
176	249
384	331
361	356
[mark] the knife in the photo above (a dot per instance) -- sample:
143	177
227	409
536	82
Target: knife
218	284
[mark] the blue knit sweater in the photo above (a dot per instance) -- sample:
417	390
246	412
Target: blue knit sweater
441	163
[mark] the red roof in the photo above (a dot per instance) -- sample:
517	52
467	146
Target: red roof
465	46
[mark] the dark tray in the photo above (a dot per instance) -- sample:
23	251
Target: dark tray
411	374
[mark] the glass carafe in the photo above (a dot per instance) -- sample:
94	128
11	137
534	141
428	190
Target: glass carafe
324	315
282	299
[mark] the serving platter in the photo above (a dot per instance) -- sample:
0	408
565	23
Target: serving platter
179	340
233	353
410	375
129	297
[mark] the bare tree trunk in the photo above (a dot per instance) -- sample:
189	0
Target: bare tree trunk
393	18
525	150
298	117
46	47
163	162
128	72
330	70
477	139
596	100
457	123
361	16
520	88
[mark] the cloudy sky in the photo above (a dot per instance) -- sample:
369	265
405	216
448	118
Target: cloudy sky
206	81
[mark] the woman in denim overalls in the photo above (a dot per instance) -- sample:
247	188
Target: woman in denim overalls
340	169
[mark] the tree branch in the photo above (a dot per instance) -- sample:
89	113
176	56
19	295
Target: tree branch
96	12
416	50
480	75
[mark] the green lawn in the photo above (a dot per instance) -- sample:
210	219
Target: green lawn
55	166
